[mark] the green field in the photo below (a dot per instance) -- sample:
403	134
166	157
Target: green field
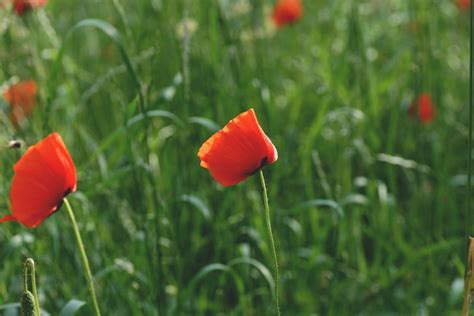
369	205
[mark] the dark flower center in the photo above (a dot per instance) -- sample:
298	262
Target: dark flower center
263	163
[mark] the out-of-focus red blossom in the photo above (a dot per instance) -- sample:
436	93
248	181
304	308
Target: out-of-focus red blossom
20	7
464	4
287	11
423	108
22	100
238	150
43	176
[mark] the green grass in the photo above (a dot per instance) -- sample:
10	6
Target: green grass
369	206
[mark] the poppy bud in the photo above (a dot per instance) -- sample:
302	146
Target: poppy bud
27	304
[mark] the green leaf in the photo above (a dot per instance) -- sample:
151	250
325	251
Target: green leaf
210	125
264	271
115	37
339	211
198	203
9	306
72	307
153	114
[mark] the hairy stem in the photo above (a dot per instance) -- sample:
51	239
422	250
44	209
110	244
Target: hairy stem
85	261
272	242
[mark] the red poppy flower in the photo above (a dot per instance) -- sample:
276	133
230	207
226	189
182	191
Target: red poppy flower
464	4
44	175
22	6
287	11
238	150
22	100
423	108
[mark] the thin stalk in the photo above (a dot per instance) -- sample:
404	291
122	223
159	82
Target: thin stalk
465	307
469	180
272	242
468	281
469	273
30	267
85	261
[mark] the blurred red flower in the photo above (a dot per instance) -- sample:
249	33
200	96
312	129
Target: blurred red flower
464	4
43	176
287	11
22	100
22	6
423	108
238	150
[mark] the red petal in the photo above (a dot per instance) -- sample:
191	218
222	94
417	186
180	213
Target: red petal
22	6
7	218
43	176
287	11
426	108
238	150
22	100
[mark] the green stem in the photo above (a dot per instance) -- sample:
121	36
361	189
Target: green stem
467	281
467	299
468	278
85	262
30	266
471	88
272	242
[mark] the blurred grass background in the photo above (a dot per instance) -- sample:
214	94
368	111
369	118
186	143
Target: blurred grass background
369	204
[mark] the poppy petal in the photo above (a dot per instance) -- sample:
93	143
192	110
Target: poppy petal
287	11
238	150
44	175
36	190
7	218
22	6
464	4
22	100
426	110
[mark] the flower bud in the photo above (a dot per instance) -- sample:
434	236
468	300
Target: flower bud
27	304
